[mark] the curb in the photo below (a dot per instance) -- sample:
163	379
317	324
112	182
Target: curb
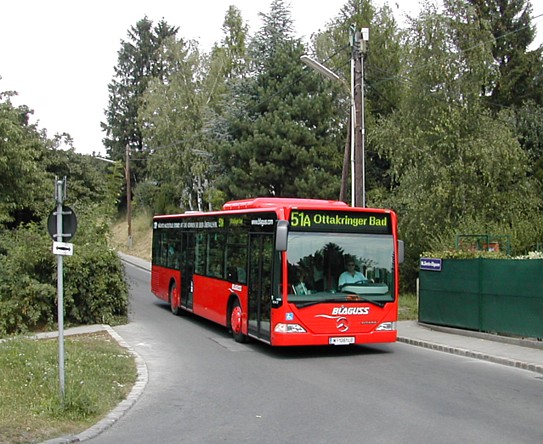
125	405
471	354
512	340
135	261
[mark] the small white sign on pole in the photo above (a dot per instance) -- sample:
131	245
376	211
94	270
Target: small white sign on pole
63	248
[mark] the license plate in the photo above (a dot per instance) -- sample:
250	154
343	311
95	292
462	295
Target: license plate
342	340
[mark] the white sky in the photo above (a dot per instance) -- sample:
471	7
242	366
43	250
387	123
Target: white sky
59	55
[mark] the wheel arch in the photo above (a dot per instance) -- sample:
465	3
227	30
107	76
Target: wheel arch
173	282
229	305
174	291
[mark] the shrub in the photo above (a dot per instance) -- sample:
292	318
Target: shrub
95	290
27	291
465	254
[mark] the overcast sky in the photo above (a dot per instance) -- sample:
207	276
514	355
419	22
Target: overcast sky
59	55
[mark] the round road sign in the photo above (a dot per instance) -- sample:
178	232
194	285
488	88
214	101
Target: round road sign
69	224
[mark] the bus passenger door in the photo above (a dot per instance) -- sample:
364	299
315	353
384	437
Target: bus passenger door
260	284
187	269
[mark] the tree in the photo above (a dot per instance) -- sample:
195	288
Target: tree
456	166
519	68
92	183
234	43
281	135
172	119
382	66
138	63
180	117
517	83
528	122
94	287
22	180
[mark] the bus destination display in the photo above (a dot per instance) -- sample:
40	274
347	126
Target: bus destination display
341	221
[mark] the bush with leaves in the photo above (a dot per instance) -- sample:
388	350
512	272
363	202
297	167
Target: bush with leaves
95	290
94	287
27	288
465	254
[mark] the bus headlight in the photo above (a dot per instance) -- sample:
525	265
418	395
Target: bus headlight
386	326
289	328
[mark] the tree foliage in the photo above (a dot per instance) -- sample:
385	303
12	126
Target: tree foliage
138	63
21	152
456	166
233	44
94	285
509	22
452	114
172	121
281	131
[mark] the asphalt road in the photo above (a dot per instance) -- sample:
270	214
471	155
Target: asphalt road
205	388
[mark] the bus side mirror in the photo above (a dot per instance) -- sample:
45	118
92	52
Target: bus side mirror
400	251
281	235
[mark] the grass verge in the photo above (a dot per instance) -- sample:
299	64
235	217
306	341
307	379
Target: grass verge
99	373
408	308
142	234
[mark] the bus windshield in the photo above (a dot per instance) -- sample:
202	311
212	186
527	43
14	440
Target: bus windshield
345	267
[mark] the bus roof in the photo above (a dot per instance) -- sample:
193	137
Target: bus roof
275	202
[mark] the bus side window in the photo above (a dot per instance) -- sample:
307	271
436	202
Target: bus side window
236	257
156	246
200	253
164	252
216	255
173	254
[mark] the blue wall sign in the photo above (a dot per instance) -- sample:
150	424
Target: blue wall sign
430	264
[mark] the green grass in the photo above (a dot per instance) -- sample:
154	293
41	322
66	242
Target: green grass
98	375
408	309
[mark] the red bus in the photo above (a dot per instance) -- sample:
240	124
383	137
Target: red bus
283	271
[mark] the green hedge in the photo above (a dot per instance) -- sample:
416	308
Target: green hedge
95	290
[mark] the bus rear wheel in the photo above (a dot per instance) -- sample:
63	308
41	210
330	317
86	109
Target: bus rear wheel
174	300
236	322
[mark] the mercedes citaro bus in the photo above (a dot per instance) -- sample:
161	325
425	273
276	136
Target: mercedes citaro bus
283	271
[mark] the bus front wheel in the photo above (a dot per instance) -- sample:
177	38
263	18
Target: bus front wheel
174	299
236	322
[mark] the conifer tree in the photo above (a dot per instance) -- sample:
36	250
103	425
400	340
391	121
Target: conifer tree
519	79
282	130
137	65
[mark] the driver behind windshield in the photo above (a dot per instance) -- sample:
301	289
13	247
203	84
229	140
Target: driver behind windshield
300	286
351	275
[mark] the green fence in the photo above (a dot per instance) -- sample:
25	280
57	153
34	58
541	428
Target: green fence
503	296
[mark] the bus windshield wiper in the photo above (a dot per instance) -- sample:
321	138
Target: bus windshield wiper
344	299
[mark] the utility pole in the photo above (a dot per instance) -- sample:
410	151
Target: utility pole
359	41
346	158
128	196
349	144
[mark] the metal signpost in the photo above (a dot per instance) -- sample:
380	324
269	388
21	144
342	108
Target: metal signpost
62	224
